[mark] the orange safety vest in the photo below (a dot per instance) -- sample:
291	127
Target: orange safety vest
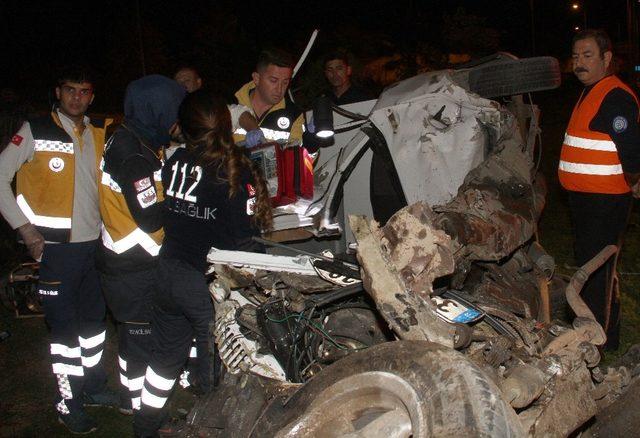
589	160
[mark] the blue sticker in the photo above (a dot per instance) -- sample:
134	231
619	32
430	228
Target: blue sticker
620	124
469	315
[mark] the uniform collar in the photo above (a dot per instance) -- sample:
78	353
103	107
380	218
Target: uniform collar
244	98
66	122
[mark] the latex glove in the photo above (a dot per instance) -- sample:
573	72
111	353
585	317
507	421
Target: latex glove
310	126
32	239
254	138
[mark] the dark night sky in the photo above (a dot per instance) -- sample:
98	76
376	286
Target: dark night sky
39	36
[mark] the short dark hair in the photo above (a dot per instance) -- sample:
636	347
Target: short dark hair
276	57
77	74
600	36
340	54
187	67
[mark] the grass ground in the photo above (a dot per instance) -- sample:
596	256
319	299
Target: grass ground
26	386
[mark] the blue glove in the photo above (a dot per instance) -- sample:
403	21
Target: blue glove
254	138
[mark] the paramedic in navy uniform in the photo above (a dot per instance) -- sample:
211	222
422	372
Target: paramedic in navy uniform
214	197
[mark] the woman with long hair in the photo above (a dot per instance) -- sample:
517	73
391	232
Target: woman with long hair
214	197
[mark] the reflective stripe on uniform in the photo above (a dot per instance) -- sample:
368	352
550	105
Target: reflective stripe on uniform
590	144
590	169
135	403
269	134
122	363
52	146
158	381
124	380
136	237
64	351
91	361
61	407
193	352
93	341
152	400
136	384
63	223
70	370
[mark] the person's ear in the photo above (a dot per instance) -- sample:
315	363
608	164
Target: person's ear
608	56
349	71
58	93
256	77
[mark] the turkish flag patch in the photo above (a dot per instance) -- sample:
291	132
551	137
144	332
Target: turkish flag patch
250	190
16	139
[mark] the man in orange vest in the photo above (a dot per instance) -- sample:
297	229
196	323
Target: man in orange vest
599	165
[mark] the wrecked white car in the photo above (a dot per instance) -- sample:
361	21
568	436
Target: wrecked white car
448	320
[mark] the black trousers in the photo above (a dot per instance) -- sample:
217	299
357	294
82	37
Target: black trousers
600	220
129	296
74	310
182	310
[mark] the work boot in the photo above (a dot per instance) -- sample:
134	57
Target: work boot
107	399
78	423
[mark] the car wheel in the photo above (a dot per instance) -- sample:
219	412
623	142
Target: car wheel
515	76
396	389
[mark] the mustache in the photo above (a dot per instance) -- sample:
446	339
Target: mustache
580	70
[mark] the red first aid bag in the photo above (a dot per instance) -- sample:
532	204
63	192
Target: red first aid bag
288	171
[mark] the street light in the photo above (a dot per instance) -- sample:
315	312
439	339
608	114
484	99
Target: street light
576	7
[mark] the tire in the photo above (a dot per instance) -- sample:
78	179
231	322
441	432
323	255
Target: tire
396	389
515	76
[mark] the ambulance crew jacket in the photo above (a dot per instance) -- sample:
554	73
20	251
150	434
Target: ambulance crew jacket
198	215
283	122
131	209
55	164
601	144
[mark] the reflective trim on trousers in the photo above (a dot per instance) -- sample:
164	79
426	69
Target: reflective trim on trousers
64	351
93	341
158	381
122	363
152	400
136	384
71	370
91	361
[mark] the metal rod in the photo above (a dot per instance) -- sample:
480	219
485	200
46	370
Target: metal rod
300	251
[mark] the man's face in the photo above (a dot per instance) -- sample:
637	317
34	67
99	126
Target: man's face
337	72
589	65
189	79
75	98
272	83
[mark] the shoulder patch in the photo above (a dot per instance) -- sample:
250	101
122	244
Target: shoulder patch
147	198
16	139
620	124
142	184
